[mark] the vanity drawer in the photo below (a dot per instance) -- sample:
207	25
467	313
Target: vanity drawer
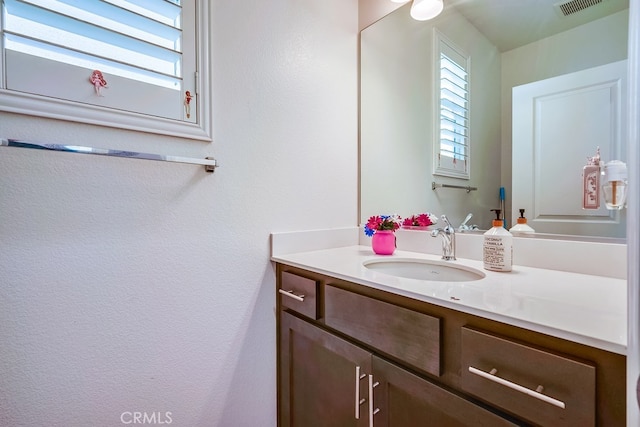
299	294
568	396
407	335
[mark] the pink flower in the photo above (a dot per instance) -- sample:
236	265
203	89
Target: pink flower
382	222
421	220
374	222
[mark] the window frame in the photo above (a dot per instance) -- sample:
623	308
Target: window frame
42	106
439	41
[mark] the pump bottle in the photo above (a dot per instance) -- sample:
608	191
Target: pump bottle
497	249
521	227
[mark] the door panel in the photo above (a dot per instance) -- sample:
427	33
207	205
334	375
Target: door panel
557	123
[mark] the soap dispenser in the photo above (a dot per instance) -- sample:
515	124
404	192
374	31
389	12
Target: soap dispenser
497	249
521	227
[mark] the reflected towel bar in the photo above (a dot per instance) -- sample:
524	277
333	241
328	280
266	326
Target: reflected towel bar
209	163
434	185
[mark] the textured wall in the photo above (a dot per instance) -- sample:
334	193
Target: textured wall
137	286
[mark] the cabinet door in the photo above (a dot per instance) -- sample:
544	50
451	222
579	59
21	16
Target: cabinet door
403	399
322	378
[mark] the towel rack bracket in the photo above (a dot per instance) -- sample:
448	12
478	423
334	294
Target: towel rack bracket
211	168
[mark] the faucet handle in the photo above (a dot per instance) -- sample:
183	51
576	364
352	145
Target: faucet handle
446	221
464	226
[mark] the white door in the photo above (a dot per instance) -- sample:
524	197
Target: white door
557	124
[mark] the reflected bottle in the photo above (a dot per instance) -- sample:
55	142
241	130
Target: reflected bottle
614	186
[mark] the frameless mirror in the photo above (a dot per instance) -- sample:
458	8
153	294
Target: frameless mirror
510	44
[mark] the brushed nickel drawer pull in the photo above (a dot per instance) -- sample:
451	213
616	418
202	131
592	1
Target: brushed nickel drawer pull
290	294
359	401
491	376
372	411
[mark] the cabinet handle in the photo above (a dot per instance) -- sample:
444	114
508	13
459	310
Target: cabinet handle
372	411
358	401
290	294
491	376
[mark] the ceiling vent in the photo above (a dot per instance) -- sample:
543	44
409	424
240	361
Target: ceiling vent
574	6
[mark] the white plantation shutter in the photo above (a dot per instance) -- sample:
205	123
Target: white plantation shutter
146	50
451	153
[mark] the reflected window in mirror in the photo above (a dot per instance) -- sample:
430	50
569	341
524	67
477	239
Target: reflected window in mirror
124	63
452	150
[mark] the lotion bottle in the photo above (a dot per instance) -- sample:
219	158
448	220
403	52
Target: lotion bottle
591	182
521	227
497	249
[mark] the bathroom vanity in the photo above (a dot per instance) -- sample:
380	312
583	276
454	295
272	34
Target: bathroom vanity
358	347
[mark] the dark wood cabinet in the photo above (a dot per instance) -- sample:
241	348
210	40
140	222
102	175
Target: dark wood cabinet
325	381
407	400
318	377
350	355
407	335
546	388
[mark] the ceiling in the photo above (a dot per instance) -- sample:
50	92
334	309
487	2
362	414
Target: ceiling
509	24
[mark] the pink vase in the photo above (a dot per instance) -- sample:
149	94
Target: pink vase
383	242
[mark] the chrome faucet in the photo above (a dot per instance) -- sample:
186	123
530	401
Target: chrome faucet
448	234
464	226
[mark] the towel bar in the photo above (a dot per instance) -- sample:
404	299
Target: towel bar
210	164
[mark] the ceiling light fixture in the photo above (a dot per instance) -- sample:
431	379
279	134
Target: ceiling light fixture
423	10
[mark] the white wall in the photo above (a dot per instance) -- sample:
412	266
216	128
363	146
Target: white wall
369	11
130	285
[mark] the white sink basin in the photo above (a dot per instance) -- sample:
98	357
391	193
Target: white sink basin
439	271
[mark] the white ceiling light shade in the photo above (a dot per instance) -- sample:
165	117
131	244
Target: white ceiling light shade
399	1
422	10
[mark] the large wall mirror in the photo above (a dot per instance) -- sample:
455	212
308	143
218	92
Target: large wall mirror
510	44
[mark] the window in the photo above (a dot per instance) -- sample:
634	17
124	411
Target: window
121	63
451	150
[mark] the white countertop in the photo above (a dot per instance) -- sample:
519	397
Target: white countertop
586	309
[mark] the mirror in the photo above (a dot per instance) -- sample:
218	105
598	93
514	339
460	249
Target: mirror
397	98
